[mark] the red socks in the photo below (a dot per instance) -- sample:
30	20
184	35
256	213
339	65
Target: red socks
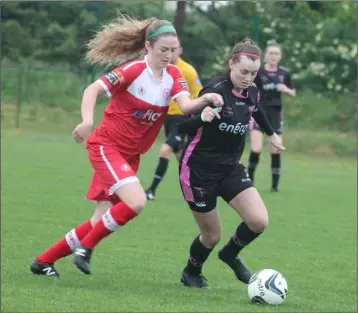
66	245
89	236
118	215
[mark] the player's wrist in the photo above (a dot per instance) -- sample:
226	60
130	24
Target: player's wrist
87	121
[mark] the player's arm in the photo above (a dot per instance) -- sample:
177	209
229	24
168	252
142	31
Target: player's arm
107	84
192	124
89	100
189	106
180	94
288	87
261	119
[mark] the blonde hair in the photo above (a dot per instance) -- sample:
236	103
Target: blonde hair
123	39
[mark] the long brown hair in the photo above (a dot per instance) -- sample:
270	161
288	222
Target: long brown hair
122	39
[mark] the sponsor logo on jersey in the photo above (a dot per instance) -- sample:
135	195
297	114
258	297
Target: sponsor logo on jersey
227	111
239	128
270	86
141	90
166	93
114	77
200	204
183	83
148	116
200	191
125	168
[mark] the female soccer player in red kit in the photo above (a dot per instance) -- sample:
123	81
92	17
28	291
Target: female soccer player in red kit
140	91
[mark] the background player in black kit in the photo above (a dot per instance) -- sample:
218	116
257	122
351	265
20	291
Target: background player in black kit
210	166
272	80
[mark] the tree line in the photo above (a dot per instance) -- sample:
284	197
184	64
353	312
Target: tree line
318	38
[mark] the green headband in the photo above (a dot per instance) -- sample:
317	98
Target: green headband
161	30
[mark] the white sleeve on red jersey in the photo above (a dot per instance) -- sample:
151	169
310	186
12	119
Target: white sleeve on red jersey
121	77
180	86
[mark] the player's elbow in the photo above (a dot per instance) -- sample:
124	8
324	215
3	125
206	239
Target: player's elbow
94	89
184	107
185	104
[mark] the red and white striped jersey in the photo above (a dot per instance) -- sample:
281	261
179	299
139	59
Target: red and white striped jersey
138	105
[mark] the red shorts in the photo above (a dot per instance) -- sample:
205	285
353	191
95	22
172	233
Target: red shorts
112	170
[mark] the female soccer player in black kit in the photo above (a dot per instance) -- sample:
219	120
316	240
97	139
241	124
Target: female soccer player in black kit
272	80
210	165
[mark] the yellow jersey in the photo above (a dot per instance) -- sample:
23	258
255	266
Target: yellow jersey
193	81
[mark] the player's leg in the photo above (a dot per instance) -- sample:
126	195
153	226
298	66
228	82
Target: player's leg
201	247
44	263
165	153
173	144
277	124
256	136
238	191
202	202
118	177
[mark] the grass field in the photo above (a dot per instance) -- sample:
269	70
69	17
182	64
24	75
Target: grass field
311	238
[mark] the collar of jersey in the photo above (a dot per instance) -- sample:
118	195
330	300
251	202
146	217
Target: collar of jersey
149	69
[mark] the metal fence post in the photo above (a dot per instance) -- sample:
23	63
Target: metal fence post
19	97
256	28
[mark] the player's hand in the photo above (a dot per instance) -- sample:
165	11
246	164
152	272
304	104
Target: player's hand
276	142
283	88
82	131
209	114
214	98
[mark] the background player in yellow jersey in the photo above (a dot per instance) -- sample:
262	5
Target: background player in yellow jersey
175	141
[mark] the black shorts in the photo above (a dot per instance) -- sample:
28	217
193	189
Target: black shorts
200	189
275	117
174	139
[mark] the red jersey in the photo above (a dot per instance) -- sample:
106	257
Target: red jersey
138	106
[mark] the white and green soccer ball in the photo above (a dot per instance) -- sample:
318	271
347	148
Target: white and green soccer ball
267	287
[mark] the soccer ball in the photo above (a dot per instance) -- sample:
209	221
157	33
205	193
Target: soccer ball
267	287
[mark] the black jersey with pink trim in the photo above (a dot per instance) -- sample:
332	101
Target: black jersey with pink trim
267	80
220	144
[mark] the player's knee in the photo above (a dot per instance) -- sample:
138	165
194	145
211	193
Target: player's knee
256	147
165	151
274	150
210	240
139	203
259	224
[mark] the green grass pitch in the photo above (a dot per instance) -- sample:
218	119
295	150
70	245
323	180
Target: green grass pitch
311	239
